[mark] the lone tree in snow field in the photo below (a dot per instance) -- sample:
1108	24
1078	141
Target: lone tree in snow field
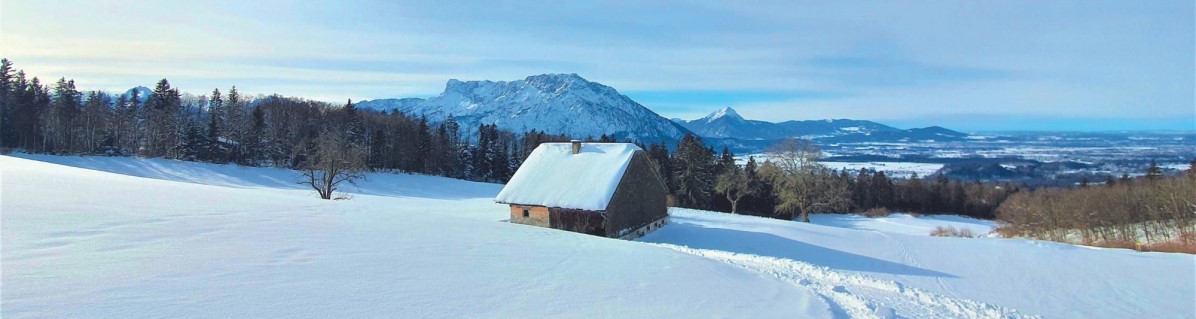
333	160
801	184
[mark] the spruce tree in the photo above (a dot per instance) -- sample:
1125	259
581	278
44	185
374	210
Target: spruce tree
423	145
882	189
1154	171
7	108
162	132
214	151
693	171
253	141
60	124
236	126
659	154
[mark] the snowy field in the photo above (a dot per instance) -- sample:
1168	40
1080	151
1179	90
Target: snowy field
905	223
891	169
101	237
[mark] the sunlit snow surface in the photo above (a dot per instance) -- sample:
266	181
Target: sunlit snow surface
171	239
86	244
860	265
906	223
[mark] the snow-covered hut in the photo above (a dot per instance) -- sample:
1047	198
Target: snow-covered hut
604	189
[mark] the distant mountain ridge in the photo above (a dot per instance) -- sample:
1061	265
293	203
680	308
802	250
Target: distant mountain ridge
726	123
554	103
571	105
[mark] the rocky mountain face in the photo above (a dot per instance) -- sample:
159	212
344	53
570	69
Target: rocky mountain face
553	103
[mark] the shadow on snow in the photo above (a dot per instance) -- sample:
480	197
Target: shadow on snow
679	232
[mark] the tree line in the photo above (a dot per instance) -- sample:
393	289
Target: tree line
1150	209
227	127
791	184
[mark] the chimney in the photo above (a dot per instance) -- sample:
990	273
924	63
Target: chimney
576	146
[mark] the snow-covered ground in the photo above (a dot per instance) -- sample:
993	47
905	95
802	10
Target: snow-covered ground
891	169
103	237
874	265
81	243
905	223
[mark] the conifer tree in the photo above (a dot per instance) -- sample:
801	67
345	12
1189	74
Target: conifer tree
423	145
31	101
60	129
214	151
96	124
659	154
693	171
7	107
1154	171
253	142
162	130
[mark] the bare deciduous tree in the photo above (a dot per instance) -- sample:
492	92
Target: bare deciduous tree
332	160
801	184
735	185
1136	211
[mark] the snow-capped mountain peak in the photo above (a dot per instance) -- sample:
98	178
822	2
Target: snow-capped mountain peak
553	103
726	112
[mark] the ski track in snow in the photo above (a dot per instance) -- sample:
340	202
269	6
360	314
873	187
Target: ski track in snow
909	258
858	296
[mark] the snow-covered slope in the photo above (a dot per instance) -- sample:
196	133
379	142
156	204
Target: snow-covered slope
906	223
81	243
860	266
554	103
131	238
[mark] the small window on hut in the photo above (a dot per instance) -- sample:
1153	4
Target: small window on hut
525	214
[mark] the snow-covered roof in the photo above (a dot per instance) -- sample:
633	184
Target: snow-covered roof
553	176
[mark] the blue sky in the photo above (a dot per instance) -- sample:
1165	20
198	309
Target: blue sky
992	65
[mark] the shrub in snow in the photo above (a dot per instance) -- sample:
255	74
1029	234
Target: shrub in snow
950	231
877	212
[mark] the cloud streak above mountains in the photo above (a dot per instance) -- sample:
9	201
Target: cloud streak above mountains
888	61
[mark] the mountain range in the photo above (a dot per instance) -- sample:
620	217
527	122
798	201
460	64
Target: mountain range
569	104
728	124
